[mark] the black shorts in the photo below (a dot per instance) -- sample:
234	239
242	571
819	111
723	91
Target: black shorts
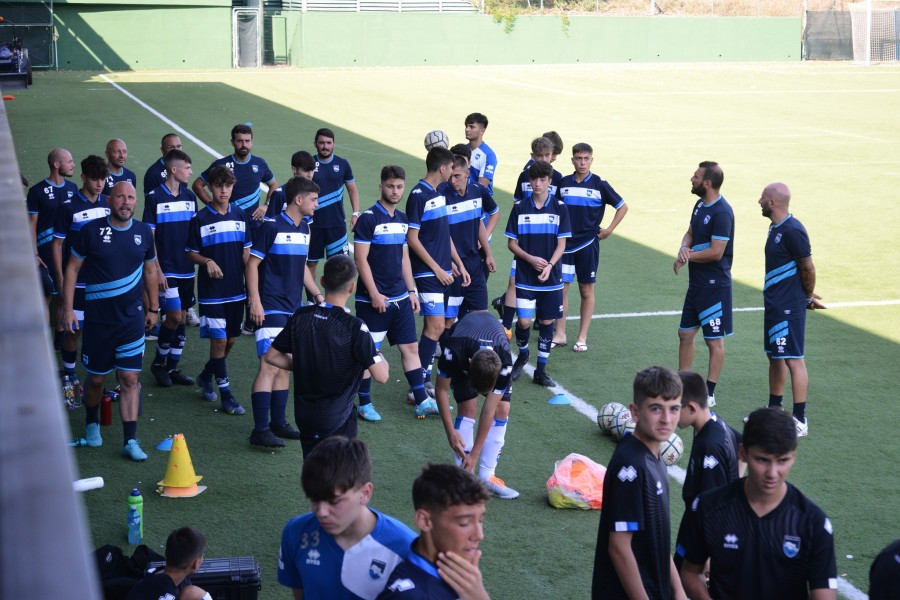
309	440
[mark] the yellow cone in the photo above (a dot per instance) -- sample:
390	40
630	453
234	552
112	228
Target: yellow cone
180	480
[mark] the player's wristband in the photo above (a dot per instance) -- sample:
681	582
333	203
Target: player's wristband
414	292
153	310
809	301
208	260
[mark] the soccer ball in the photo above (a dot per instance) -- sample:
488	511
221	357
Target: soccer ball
629	429
606	415
620	421
671	450
436	139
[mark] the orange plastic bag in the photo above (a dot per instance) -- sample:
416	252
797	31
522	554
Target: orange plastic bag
577	482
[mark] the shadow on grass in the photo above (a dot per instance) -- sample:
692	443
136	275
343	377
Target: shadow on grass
252	493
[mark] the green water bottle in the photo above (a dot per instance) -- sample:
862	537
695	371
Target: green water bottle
136	500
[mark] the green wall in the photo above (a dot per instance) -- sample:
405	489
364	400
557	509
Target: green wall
144	34
392	39
173	34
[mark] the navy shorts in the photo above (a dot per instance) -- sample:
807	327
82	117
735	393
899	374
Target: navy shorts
397	322
784	339
271	327
582	264
47	284
221	321
325	243
180	295
709	308
432	296
105	347
545	304
471	298
464	392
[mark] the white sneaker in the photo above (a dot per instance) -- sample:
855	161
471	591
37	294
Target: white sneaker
497	487
802	427
191	318
711	401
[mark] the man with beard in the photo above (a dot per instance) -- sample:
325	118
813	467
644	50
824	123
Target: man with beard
329	227
116	157
249	171
119	258
386	298
788	293
708	246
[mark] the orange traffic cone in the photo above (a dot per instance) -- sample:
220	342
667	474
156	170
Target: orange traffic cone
180	480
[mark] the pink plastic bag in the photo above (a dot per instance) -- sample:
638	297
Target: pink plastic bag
577	482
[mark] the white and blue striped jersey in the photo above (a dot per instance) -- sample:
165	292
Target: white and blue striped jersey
465	213
523	184
113	269
483	164
74	215
249	174
331	177
169	217
537	231
310	559
426	210
386	238
283	246
586	201
783	291
223	239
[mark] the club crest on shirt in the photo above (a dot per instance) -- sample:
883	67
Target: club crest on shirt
256	168
376	569
791	546
706	219
778	238
137	240
336	168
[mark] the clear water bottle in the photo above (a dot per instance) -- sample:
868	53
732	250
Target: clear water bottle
69	393
78	442
134	526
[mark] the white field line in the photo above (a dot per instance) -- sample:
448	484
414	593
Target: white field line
675	472
669	313
181	130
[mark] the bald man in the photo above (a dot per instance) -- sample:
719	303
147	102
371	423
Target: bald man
117	258
788	293
116	157
707	248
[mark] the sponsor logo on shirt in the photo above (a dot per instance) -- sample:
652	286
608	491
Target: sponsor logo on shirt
710	462
627	473
312	557
659	488
402	585
731	542
791	546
